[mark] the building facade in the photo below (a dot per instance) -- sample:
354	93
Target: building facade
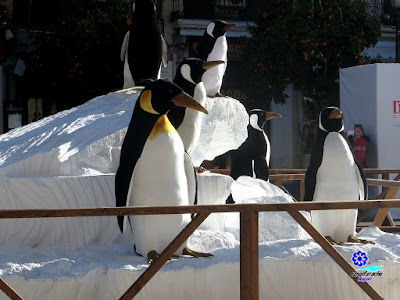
183	23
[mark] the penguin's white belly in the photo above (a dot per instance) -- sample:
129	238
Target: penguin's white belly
159	180
190	128
336	181
212	78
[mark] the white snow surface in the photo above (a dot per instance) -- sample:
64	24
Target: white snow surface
69	161
86	140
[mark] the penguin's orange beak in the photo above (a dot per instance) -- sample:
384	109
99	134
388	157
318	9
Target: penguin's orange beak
184	100
210	64
335	114
227	27
271	115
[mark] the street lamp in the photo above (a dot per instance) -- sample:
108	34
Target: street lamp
396	6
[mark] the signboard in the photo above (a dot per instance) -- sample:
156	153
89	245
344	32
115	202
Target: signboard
396	112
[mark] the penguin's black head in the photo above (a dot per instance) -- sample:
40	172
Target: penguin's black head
192	69
162	95
331	119
259	117
217	28
144	6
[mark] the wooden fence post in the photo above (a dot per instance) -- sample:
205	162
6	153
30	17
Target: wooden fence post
249	265
336	256
164	256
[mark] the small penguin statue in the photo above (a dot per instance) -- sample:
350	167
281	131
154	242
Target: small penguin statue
212	47
252	157
144	47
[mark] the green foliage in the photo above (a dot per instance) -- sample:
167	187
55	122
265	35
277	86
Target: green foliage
304	43
4	21
78	58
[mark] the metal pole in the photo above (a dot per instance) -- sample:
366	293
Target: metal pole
397	35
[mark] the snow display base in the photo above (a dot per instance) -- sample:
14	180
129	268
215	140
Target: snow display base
289	269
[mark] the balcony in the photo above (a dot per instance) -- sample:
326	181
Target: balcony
246	10
382	11
238	10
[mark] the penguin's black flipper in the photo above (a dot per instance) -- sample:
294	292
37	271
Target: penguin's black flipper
315	162
364	179
131	150
261	168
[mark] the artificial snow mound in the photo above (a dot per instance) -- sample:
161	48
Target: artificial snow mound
86	140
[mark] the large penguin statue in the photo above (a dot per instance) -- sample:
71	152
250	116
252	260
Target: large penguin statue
252	157
334	175
143	48
151	170
212	47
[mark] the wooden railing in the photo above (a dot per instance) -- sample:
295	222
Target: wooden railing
389	191
249	213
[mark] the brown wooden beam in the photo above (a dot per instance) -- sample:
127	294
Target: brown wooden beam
383	212
164	256
161	210
249	264
336	256
383	182
9	291
303	171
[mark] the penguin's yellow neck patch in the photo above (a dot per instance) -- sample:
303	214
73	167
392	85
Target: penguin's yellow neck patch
145	102
163	125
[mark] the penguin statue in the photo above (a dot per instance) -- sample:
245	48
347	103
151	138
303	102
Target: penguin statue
188	121
334	175
212	47
252	157
143	47
151	170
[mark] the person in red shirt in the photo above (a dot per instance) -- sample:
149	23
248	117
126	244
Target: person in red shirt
359	142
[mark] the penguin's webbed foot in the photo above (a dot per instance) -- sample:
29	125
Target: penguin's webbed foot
218	94
152	256
333	242
200	169
353	239
188	251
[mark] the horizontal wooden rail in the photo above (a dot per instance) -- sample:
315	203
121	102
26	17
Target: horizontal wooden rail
383	182
162	210
248	226
383	172
303	171
282	177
